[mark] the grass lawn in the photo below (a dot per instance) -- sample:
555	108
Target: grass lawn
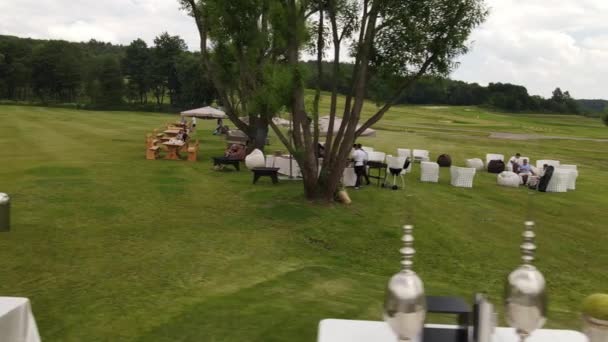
112	247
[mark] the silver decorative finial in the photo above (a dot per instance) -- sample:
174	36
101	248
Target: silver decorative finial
525	291
408	250
528	247
405	302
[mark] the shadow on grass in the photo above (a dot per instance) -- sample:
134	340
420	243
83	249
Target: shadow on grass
286	308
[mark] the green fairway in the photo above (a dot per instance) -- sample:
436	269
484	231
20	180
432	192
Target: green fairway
112	247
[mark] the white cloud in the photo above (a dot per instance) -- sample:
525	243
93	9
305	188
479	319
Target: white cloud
541	44
118	21
81	31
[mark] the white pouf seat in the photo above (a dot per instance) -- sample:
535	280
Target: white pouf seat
542	162
429	172
255	159
559	181
421	155
508	178
475	163
573	175
462	177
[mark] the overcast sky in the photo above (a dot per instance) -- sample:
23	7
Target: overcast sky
540	44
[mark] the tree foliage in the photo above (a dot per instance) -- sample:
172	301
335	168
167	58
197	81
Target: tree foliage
59	72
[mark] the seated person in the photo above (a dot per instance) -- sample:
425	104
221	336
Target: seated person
535	178
525	171
516	162
235	151
525	168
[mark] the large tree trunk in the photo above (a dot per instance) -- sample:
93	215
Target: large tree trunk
258	132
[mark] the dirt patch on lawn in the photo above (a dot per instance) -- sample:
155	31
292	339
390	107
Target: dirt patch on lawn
516	136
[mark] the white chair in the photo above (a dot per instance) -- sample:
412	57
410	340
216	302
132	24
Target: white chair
573	175
429	172
462	177
508	178
559	181
421	155
395	168
494	156
255	159
475	163
407	153
509	166
376	156
404	152
542	162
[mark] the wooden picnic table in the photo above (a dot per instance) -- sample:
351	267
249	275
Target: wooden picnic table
172	132
174	146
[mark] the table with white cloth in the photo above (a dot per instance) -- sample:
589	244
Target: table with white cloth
17	323
282	163
341	330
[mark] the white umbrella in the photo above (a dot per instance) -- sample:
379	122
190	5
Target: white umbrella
205	113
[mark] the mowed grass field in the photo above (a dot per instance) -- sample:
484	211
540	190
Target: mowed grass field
112	247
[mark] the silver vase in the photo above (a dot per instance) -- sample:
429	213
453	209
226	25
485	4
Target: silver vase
405	303
595	329
525	291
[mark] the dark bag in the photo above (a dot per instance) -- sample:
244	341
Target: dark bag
406	164
545	179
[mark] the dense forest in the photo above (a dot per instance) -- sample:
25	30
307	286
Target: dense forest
166	76
95	74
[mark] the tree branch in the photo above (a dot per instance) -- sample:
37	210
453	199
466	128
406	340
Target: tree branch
282	137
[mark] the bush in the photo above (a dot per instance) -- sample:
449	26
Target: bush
605	119
596	306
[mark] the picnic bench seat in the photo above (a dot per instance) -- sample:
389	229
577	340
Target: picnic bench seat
152	153
220	161
271	172
193	152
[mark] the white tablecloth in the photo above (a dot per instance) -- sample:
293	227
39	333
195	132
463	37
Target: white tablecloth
282	163
17	323
340	330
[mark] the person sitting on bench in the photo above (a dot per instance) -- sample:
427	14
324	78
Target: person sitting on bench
235	152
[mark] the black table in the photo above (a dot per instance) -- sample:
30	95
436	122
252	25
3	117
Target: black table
450	305
380	167
265	171
227	161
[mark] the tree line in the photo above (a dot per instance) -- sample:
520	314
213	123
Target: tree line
101	75
436	90
166	76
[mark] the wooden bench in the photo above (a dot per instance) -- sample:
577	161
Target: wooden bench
220	161
193	152
271	172
152	153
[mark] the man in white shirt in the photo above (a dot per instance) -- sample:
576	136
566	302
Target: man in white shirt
193	123
516	162
365	164
359	157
